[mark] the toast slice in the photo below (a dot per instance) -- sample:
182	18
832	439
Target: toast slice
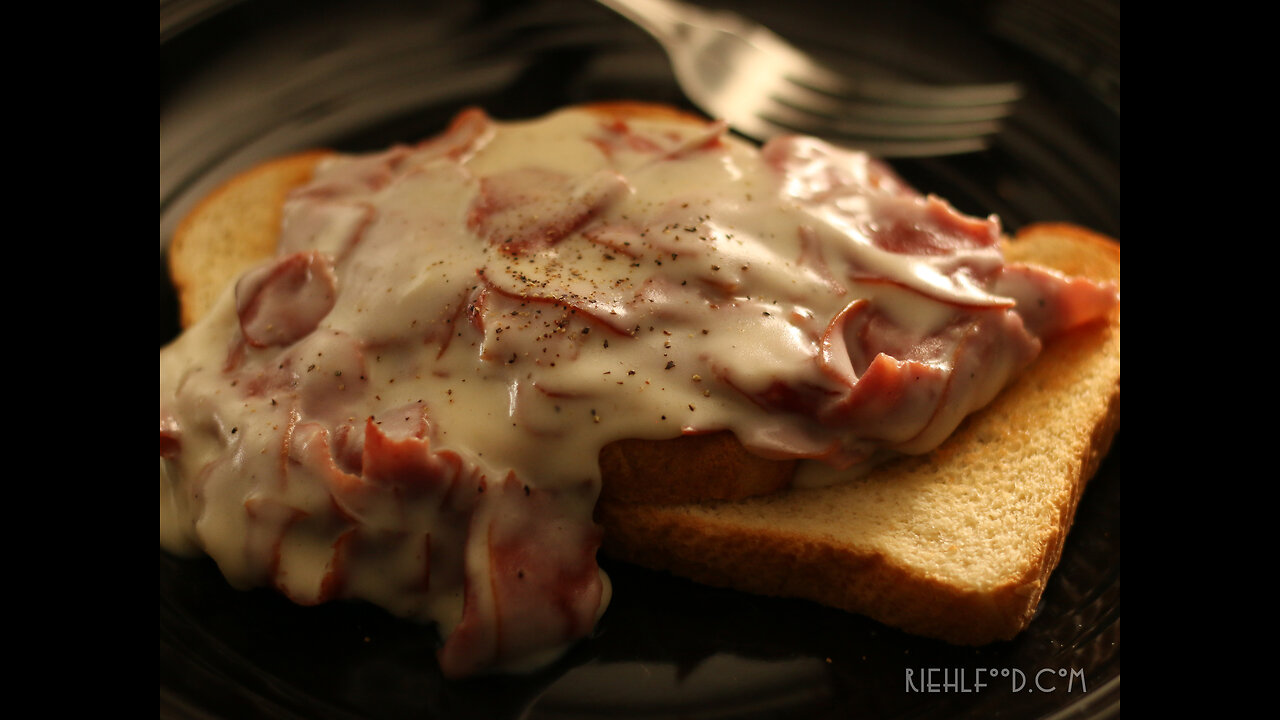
956	544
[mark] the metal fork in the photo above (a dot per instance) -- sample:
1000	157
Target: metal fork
741	72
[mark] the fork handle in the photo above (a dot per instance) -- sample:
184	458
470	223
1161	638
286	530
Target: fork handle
659	18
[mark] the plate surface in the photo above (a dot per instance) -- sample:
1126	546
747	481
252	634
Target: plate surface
245	81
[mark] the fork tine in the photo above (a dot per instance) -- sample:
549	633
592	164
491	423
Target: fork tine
784	121
918	148
869	83
817	114
823	124
803	98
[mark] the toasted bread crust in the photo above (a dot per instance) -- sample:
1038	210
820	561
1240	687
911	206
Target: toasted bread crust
691	468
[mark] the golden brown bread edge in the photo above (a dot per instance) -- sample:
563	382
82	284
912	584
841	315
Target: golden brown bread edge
657	501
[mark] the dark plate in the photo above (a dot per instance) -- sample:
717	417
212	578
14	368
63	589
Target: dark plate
244	81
